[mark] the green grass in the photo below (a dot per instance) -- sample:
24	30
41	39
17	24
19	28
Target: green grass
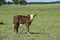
45	26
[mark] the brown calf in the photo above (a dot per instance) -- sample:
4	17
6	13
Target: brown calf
20	19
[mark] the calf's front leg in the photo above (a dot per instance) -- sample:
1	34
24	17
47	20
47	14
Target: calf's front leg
27	26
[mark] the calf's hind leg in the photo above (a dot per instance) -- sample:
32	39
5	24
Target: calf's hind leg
16	28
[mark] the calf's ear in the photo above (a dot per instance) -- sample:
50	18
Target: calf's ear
34	15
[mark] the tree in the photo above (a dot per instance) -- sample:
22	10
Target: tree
3	2
15	1
19	1
9	2
22	2
0	2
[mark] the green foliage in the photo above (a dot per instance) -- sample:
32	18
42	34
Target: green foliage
0	2
3	2
19	1
22	2
15	1
9	3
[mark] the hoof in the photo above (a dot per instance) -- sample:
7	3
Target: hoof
28	33
15	33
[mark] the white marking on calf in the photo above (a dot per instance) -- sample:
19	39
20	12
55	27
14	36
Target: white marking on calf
20	24
31	16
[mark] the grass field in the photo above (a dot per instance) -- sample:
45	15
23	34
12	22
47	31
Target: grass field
45	26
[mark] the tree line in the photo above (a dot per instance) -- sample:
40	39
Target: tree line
24	2
43	2
13	2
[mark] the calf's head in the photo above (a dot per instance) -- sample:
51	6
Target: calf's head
32	16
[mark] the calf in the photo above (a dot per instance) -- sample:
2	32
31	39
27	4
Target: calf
20	19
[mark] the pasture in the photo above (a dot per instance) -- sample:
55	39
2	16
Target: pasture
45	26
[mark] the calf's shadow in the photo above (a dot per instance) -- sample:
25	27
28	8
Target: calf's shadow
32	33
